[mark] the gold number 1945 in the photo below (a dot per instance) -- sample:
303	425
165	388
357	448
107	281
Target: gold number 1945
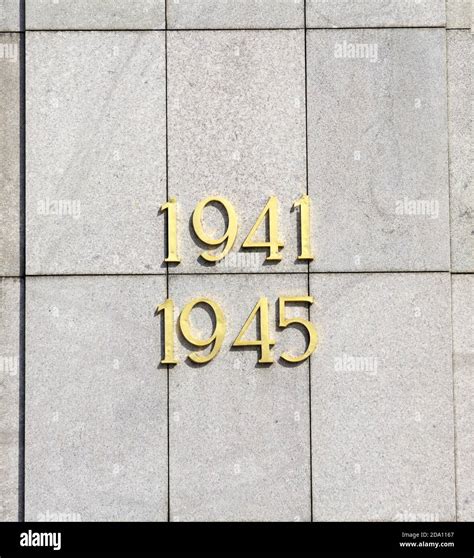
260	313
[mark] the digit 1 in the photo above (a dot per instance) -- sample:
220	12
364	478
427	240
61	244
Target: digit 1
171	207
304	203
168	323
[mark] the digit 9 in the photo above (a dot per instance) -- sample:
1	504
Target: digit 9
228	238
216	338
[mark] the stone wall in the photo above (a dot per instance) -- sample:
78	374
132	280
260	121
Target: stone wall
112	107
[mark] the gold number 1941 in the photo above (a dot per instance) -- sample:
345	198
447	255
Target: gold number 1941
268	219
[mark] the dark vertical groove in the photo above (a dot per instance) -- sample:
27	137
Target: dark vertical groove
22	219
453	373
308	274
451	315
167	265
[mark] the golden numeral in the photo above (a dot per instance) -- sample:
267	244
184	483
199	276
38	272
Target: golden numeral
228	237
168	323
286	322
217	336
265	343
269	215
171	208
304	203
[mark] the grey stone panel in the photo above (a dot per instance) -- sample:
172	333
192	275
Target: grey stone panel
9	397
96	403
95	14
237	129
463	345
382	398
378	153
9	15
9	154
239	433
235	14
375	13
460	91
459	14
96	167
